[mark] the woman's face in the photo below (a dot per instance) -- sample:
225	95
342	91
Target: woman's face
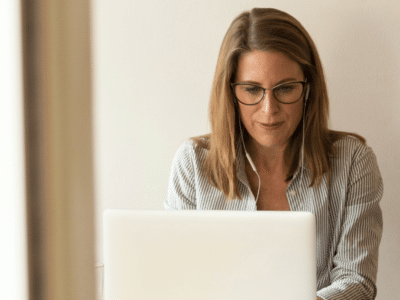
268	69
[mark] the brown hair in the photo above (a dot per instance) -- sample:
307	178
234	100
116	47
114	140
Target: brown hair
267	29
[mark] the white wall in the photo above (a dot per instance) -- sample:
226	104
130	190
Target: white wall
13	270
154	62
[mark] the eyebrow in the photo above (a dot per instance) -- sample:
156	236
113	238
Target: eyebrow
278	83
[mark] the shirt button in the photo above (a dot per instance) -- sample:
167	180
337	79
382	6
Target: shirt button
292	192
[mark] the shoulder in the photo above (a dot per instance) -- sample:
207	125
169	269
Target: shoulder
191	152
351	149
193	147
354	158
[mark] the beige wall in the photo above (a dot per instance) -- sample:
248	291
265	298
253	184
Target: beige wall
153	66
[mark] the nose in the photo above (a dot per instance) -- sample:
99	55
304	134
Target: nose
269	102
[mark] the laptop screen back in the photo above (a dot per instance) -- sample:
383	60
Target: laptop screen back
174	255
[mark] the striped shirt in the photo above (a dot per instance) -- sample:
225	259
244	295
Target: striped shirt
348	215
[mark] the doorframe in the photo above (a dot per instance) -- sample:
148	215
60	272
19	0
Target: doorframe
58	148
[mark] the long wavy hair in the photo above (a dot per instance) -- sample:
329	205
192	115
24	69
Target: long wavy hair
267	29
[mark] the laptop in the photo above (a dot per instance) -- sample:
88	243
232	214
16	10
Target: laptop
235	255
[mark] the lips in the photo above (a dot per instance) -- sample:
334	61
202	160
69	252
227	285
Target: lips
271	126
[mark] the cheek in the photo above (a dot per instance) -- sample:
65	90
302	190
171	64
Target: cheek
296	114
245	115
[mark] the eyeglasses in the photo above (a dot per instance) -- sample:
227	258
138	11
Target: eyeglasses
286	93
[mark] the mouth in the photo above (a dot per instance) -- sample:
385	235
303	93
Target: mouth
271	126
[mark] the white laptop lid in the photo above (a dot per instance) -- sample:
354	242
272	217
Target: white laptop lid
181	255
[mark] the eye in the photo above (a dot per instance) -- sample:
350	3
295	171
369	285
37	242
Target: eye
286	88
251	89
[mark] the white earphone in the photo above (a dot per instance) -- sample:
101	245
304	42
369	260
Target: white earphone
307	93
302	144
250	161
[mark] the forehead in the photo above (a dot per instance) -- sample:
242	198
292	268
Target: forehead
267	68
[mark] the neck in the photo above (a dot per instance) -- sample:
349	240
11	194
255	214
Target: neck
268	159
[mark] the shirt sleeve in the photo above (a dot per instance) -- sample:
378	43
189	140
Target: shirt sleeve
181	186
356	259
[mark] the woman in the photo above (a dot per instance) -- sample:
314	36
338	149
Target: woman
270	149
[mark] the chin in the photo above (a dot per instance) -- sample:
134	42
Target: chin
269	142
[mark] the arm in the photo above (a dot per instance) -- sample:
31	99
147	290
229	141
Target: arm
356	260
181	186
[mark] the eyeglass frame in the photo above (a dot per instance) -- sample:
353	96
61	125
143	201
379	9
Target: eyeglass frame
304	83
